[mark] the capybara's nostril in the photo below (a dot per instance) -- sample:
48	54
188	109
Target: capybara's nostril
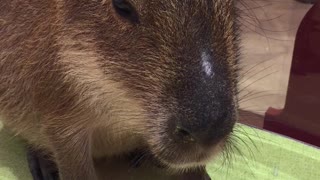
184	134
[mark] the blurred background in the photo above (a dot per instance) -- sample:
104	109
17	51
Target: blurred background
269	32
280	76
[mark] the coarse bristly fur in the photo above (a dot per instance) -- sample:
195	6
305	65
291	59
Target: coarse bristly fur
80	81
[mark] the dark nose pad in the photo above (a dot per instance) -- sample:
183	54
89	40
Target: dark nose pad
204	137
184	134
206	133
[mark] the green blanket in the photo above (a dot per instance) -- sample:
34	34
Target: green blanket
269	157
266	156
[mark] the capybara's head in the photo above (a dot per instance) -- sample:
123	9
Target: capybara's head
178	58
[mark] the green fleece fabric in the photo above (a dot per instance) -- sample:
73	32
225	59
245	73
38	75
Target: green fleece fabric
13	160
263	156
268	156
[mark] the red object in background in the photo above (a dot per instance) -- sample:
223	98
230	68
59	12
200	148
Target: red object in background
300	118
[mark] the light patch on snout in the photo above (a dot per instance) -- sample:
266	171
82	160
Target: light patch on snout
206	64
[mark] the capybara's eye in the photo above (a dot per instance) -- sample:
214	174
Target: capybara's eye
126	10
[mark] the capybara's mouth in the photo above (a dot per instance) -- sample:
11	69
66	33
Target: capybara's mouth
179	157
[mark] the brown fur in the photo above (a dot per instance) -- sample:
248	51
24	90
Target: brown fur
78	81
